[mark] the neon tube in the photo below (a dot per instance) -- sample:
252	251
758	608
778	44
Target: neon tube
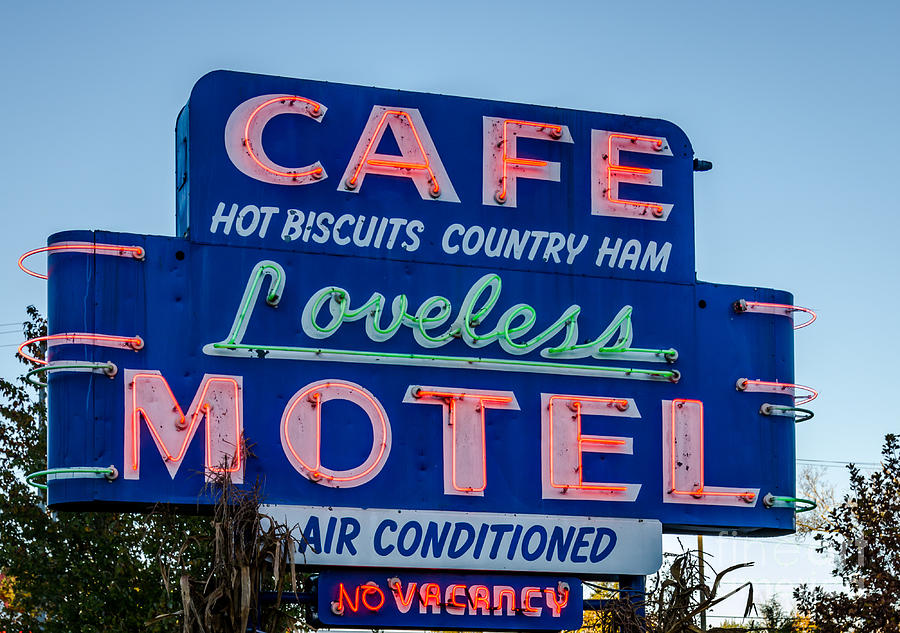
799	414
314	110
460	362
621	405
451	398
780	309
772	501
81	247
763	386
203	409
303	397
420	322
700	492
351	182
109	369
342	312
78	338
656	209
554	130
109	474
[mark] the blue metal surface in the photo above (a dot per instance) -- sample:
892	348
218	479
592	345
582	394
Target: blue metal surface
455	125
185	295
396	612
179	306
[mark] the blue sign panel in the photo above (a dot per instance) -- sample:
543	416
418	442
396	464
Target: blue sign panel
317	167
386	599
480	317
340	406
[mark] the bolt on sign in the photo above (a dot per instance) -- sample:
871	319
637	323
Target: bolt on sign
440	332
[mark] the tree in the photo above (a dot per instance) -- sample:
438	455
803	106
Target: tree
93	571
774	618
812	485
866	541
73	571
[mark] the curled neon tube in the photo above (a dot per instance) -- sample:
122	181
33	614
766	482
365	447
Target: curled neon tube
763	386
780	309
115	250
80	338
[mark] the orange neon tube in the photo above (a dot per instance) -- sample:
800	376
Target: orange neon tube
79	338
204	408
317	397
700	491
617	402
365	160
451	403
286	174
104	249
529	162
611	167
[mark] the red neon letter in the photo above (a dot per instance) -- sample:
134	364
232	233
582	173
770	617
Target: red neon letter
243	138
504	591
454	607
465	461
430	594
301	435
479	598
403	602
371	589
342	594
418	158
502	164
562	446
683	460
556	605
607	171
218	399
527	594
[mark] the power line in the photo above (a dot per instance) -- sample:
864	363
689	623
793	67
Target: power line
782	583
833	463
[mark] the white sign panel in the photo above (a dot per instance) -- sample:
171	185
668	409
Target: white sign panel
583	546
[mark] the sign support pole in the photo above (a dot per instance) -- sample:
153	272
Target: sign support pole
702	578
635	588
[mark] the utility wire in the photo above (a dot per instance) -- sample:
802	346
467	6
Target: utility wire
833	463
782	583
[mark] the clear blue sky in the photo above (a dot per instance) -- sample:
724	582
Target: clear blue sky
794	102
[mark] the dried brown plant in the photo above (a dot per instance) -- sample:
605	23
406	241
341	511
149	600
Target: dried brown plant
246	552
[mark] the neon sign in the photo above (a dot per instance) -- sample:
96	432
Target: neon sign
243	138
219	400
419	159
606	150
539	434
420	162
503	166
434	312
398	599
527	377
301	430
